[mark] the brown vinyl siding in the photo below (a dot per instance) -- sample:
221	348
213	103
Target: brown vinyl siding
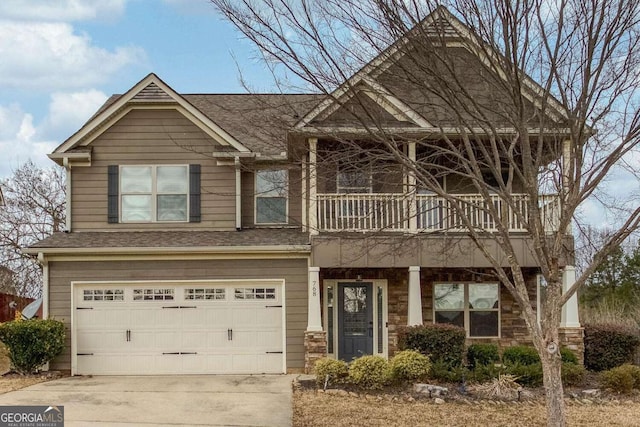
293	271
152	137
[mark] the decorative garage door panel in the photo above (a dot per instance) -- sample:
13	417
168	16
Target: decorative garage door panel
194	328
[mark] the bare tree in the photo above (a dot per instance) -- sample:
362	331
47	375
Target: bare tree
469	72
34	209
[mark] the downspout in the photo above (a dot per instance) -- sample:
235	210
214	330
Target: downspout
45	284
238	194
67	167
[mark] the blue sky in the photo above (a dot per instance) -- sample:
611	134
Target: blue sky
61	59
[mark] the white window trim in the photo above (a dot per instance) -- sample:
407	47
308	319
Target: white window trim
154	194
377	283
257	196
466	308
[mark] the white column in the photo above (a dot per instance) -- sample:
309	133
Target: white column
238	194
414	316
305	197
314	321
313	203
570	309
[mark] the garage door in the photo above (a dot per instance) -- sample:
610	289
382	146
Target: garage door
179	328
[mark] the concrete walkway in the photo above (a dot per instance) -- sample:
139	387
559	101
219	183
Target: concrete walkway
207	400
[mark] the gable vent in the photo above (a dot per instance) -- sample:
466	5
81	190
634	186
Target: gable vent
152	93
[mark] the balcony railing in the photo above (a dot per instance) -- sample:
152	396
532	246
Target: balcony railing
398	212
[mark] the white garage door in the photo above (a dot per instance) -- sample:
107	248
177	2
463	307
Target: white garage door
179	328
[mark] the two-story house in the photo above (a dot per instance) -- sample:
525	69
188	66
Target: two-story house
216	233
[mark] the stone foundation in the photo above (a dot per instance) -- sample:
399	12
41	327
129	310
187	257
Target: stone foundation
315	347
573	339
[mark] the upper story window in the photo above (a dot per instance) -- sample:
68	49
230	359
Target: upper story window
272	189
154	193
354	180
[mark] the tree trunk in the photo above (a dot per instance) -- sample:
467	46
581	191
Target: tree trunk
552	375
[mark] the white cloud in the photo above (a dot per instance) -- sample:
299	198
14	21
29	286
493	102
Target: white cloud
61	10
22	140
18	142
38	55
69	111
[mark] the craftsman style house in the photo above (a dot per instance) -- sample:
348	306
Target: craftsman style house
212	233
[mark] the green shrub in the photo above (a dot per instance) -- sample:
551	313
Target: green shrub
369	372
568	356
621	379
520	355
336	369
441	342
449	374
482	355
572	374
485	373
409	365
32	343
609	345
527	375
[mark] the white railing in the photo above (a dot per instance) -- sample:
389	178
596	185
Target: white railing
394	212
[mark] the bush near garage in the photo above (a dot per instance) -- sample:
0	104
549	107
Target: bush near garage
441	342
607	346
409	365
337	370
32	343
369	372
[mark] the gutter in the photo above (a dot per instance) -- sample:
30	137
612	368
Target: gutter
292	249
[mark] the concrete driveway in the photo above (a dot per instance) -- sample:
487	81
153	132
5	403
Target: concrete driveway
207	400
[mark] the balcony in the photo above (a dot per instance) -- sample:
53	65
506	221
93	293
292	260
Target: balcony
397	212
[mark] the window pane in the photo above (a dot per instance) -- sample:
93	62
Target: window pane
451	317
272	183
483	323
172	179
135	179
271	210
136	208
354	181
172	208
448	296
483	295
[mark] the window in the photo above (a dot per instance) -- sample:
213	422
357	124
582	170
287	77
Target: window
272	190
473	306
205	294
254	293
154	193
103	295
351	180
153	294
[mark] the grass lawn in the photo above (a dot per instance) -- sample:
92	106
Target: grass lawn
319	409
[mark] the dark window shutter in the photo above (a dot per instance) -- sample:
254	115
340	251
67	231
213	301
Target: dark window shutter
112	198
194	193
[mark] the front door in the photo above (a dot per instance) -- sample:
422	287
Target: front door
355	320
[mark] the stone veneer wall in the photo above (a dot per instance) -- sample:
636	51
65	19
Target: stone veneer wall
315	347
573	339
513	328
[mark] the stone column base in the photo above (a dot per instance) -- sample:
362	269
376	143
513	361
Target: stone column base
315	347
573	339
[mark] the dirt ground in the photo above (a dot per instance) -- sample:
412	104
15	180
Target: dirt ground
318	409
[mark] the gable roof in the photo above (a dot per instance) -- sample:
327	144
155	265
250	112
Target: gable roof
441	24
151	90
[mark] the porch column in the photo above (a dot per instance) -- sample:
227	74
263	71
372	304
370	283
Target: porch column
414	315
313	179
314	322
570	309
